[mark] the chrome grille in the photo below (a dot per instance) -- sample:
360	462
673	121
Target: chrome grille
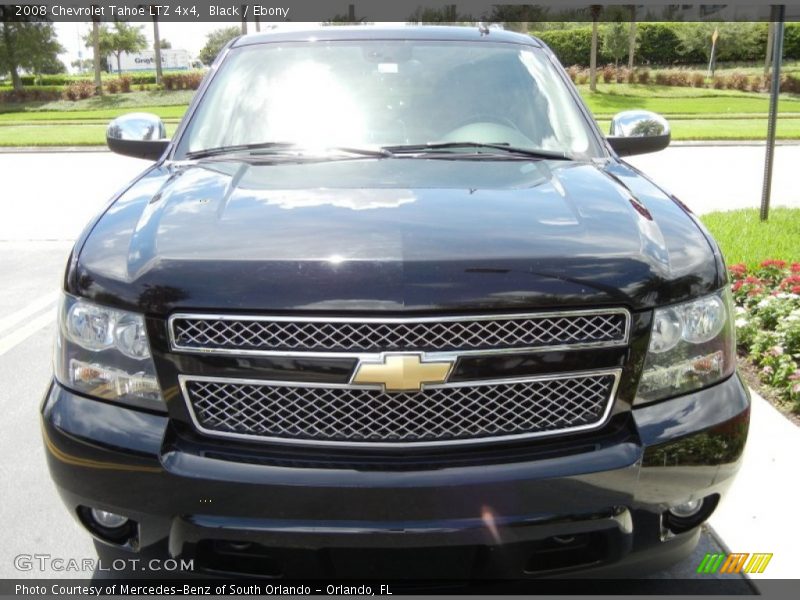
281	335
447	413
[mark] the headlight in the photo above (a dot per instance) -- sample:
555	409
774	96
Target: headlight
692	345
104	352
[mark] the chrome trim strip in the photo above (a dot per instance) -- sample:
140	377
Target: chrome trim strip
433	355
616	373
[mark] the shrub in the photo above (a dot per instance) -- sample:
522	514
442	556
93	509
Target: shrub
791	41
112	86
571	46
768	323
657	43
622	74
790	84
582	77
678	78
720	82
34	93
125	82
662	78
609	73
193	79
79	90
738	81
643	76
698	80
573	71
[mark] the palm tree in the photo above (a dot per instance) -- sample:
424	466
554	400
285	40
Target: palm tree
596	8
157	47
632	38
770	41
98	83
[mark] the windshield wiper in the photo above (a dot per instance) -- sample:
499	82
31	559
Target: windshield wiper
271	147
506	148
219	150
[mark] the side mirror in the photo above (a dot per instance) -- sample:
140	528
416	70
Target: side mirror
638	132
141	135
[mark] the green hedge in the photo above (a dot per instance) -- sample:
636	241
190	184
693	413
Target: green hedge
146	77
571	46
659	43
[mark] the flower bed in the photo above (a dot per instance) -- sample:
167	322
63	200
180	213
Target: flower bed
768	323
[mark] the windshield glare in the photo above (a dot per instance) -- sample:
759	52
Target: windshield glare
388	93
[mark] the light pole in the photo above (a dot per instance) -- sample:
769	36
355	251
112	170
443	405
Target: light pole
778	14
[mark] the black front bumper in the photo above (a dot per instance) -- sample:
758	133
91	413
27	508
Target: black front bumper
595	509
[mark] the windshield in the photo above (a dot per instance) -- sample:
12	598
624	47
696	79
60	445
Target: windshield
321	95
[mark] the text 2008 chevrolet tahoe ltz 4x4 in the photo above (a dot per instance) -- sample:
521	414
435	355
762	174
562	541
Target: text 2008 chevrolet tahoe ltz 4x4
390	292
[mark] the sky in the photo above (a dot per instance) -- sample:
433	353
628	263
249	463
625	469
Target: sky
185	36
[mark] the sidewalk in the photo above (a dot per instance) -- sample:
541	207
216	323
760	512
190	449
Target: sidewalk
758	513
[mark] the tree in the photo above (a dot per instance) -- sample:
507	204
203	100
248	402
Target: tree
215	41
595	9
82	64
157	49
615	41
120	38
632	37
165	44
30	46
51	66
518	17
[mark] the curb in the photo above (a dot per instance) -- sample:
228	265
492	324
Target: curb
50	149
733	143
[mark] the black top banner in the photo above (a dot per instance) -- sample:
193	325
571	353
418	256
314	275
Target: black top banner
369	11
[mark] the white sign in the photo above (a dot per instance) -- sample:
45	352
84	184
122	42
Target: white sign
171	60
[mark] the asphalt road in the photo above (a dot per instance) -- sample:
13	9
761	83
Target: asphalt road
47	198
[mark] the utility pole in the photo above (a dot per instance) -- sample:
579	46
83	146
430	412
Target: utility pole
778	15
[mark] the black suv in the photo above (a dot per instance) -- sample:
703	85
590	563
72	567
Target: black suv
389	297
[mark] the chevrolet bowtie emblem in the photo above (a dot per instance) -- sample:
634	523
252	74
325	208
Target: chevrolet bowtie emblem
402	372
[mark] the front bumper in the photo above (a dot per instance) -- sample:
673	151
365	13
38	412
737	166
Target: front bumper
594	507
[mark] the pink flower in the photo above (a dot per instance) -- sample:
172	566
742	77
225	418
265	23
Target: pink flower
774	262
738	269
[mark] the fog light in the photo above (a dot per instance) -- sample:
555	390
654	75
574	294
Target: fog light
687	509
108	519
687	515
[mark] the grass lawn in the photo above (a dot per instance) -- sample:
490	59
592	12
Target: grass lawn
611	98
694	113
745	239
725	129
105	114
86	134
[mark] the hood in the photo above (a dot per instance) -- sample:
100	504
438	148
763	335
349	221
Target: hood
400	234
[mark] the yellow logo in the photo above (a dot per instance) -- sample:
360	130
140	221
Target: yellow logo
402	372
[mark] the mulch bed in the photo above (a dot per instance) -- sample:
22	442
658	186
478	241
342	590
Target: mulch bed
749	373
